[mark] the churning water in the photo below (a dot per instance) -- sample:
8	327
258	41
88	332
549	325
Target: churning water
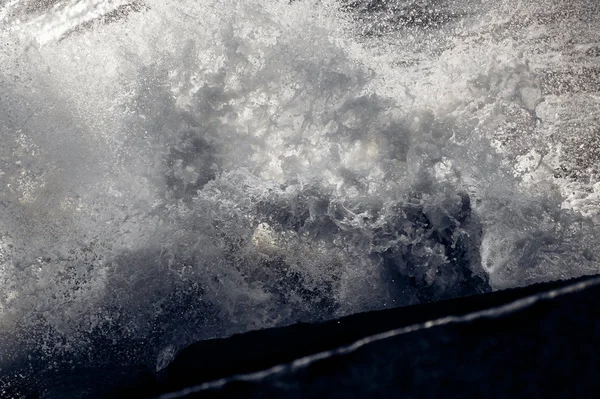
178	170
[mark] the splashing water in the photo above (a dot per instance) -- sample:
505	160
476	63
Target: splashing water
174	171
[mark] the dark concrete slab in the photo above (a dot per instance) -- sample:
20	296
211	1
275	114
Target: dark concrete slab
508	351
537	341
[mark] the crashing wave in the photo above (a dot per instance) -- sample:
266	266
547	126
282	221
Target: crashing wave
175	171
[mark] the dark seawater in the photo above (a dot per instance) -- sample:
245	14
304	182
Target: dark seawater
172	171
